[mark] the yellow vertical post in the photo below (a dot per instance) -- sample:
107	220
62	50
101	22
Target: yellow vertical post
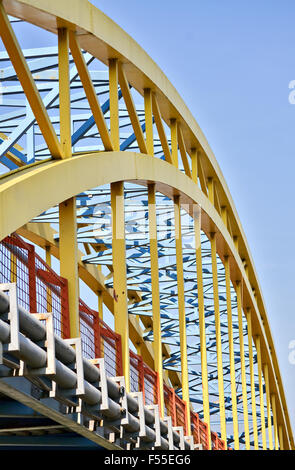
194	157
64	92
202	324
268	404
13	268
118	230
149	121
114	103
67	209
275	423
181	309
69	259
157	343
120	281
100	304
260	378
48	290
281	438
243	367
218	338
252	379
231	355
174	142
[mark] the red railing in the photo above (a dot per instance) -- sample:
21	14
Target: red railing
143	379
175	407
199	431
40	289
217	443
99	340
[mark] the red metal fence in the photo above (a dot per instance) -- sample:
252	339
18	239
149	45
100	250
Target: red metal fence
99	340
144	379
40	289
175	407
199	431
217	443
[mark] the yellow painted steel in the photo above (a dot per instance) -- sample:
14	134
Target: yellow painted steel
202	177
275	423
114	103
194	157
48	290
157	343
252	379
160	129
181	309
202	324
68	250
148	110
231	355
243	366
174	142
281	438
218	338
25	77
67	209
261	394
118	229
183	154
90	92
102	37
100	304
64	92
167	102
13	268
124	85
268	404
119	266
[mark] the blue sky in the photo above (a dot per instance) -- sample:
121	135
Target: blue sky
232	63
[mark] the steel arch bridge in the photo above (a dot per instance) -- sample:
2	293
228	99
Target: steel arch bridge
108	187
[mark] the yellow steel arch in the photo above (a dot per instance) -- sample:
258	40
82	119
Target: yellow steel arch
42	186
60	180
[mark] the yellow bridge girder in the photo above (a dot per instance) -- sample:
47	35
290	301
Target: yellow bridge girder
21	200
29	191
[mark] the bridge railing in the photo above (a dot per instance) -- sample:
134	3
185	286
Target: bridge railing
40	289
216	442
99	340
199	431
144	379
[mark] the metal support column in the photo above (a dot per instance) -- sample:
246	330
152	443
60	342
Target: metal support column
202	324
231	355
218	338
181	309
275	422
268	404
120	281
67	210
157	343
243	367
252	379
261	394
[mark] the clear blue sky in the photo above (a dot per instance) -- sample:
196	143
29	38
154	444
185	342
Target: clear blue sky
232	62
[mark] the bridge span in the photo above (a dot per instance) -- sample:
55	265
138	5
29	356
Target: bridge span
131	315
